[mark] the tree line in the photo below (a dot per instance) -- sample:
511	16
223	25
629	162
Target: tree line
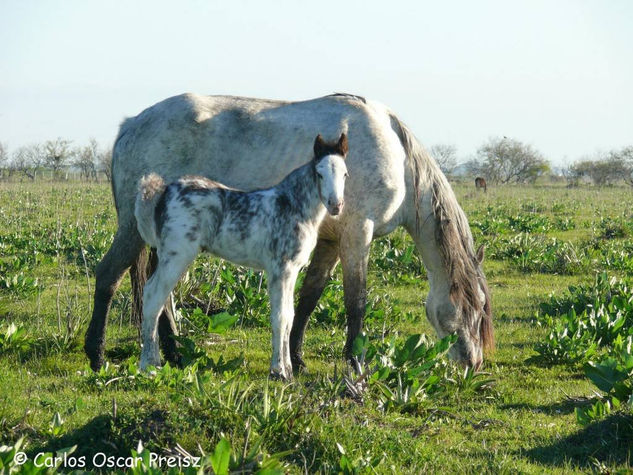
503	160
500	160
57	156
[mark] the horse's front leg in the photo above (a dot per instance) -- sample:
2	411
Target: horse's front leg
281	284
354	247
324	260
125	249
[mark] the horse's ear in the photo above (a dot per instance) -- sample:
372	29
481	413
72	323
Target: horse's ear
342	147
318	146
480	253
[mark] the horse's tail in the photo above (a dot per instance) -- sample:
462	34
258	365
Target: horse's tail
151	189
452	233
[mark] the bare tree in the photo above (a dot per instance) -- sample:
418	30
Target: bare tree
446	157
57	153
505	160
4	158
572	174
105	163
624	160
607	168
86	159
473	167
27	160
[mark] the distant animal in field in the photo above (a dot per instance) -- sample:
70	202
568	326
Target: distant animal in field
274	229
251	143
480	183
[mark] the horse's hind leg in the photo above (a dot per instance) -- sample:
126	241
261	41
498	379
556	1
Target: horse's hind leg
324	260
354	246
138	278
166	324
124	250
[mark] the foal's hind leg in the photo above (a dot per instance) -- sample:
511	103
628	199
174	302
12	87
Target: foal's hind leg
124	250
156	292
324	260
354	245
166	324
141	268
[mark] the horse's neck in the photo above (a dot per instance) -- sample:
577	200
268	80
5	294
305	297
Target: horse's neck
301	188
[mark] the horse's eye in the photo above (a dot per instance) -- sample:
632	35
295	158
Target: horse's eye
320	176
346	175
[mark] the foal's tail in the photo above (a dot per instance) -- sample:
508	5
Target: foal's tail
151	189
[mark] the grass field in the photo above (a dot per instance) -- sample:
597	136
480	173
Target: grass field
523	414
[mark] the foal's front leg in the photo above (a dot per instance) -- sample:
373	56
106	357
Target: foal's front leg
281	283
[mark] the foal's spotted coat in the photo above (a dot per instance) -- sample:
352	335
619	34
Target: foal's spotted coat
274	229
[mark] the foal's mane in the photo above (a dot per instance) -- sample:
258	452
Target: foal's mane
452	235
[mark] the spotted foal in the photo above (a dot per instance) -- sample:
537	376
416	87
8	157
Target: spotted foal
273	229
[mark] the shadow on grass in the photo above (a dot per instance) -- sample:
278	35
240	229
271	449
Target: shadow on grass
123	350
564	407
113	436
44	347
609	441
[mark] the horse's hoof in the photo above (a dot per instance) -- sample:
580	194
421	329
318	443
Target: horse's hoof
298	365
348	355
95	358
96	364
353	363
175	360
171	353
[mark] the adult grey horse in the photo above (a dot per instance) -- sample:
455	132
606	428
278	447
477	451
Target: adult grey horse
250	143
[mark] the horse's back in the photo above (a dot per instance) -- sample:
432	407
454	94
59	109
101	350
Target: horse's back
253	143
198	133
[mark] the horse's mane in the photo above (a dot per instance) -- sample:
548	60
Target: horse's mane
351	96
452	235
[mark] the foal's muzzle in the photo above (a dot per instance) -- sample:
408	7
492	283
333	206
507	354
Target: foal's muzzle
335	208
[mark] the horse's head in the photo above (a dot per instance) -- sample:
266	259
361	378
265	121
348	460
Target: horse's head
331	172
475	334
469	316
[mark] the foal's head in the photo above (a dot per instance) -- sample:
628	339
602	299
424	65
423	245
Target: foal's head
329	164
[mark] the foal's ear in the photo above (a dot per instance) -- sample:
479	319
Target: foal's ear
480	254
319	146
342	147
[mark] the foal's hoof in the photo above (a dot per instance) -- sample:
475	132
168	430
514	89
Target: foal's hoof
150	369
298	365
278	376
149	364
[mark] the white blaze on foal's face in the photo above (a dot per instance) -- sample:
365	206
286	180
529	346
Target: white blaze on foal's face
331	176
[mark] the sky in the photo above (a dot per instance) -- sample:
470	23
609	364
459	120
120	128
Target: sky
554	74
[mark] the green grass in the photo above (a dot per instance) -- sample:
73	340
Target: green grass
525	422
